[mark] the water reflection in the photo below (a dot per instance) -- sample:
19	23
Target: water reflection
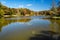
4	21
55	25
22	29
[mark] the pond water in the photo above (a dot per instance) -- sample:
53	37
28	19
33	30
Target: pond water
24	27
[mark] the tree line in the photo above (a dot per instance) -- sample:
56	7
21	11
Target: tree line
4	10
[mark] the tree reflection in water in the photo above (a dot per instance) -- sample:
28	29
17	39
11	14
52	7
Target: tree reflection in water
55	25
53	34
4	21
46	35
37	25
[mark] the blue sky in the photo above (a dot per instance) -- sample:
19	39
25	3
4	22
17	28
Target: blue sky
36	5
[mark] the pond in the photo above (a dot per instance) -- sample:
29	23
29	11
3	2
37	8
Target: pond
24	27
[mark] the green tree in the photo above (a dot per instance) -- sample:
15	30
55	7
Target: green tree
1	12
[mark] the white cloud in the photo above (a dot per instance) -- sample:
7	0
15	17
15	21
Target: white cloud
21	6
29	5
